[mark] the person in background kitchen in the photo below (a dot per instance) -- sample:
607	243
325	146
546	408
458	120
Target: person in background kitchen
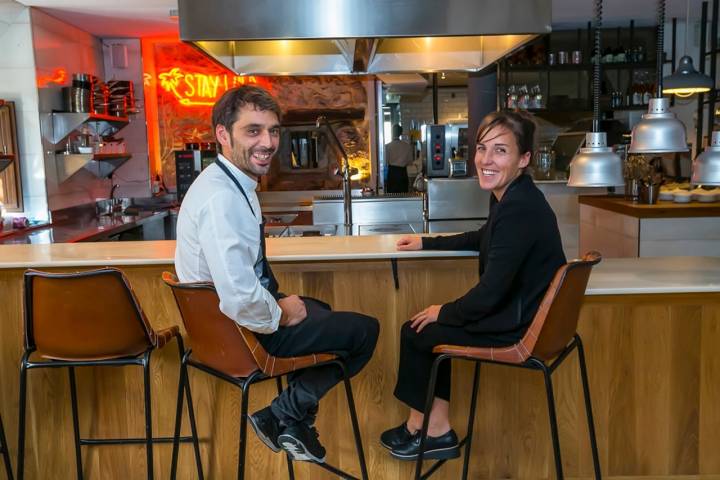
220	239
398	155
520	251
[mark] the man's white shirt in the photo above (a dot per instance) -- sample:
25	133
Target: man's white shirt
218	240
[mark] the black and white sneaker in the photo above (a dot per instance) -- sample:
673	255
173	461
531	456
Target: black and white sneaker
301	442
267	428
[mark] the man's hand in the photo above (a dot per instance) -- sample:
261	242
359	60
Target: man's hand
427	316
293	310
410	242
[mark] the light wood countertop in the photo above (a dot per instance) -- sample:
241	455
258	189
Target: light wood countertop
661	209
614	276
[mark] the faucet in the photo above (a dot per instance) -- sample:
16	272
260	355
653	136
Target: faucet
346	173
114	202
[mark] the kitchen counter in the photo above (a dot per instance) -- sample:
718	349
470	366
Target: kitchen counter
613	276
649	326
84	229
662	209
622	228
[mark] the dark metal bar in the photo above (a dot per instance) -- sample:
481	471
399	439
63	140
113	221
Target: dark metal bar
674	52
712	95
21	417
243	430
148	416
701	67
131	441
426	416
288	457
85	363
660	48
336	471
471	421
553	421
76	423
354	420
178	419
396	278
588	407
5	452
193	426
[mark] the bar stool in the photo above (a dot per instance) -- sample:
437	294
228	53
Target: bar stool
222	348
86	319
5	452
551	337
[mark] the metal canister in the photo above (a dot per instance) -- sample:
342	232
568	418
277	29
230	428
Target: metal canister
562	57
551	58
577	57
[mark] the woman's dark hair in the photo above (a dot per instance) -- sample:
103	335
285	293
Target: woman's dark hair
521	125
226	109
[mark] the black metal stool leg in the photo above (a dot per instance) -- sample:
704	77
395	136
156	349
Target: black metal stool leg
243	430
21	417
76	422
291	471
178	422
355	426
588	407
553	419
426	414
148	415
193	425
5	452
471	421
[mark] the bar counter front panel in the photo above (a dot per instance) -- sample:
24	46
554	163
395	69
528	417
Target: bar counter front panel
651	351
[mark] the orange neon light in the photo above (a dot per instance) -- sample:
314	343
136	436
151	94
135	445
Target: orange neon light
58	76
200	89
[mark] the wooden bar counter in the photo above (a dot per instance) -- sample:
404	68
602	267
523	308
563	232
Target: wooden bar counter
651	328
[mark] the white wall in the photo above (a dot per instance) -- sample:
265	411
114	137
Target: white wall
18	84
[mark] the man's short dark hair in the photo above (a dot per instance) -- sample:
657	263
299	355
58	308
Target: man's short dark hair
226	109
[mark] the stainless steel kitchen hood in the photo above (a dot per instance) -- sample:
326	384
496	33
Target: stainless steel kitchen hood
360	36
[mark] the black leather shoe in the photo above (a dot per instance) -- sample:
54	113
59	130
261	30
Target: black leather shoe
395	436
267	428
301	442
436	448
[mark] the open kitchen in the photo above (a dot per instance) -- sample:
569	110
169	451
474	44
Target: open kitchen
106	125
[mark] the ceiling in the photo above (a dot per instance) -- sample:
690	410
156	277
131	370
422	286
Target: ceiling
143	18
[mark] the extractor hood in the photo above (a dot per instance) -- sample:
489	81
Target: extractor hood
295	37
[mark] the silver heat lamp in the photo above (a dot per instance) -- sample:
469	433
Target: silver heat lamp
706	167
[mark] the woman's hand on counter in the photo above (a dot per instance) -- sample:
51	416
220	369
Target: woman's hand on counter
409	242
427	316
293	310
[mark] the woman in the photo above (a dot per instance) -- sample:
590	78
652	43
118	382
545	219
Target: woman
520	251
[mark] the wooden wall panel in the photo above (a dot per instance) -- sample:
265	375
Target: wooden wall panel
653	363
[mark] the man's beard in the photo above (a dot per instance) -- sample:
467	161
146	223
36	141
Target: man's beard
241	158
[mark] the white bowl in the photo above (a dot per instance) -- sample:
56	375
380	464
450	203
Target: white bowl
707	197
682	196
85	149
667	194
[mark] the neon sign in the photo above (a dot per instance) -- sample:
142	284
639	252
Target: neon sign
200	89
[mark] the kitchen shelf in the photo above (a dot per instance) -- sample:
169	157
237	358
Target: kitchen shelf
63	123
99	164
570	67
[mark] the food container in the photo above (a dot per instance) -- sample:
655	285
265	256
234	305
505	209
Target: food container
666	194
576	57
562	57
682	196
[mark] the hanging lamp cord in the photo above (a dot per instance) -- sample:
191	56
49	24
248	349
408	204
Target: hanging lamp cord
660	47
596	68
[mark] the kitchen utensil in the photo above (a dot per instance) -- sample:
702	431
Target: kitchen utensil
562	57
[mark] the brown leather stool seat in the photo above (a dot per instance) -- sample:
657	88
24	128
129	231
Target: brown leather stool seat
224	349
85	319
551	337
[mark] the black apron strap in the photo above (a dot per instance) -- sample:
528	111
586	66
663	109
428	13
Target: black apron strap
262	266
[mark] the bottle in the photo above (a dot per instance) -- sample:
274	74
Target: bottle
155	187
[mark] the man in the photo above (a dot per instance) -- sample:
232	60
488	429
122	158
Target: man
220	239
398	155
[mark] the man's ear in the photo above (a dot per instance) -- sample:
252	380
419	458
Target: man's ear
223	136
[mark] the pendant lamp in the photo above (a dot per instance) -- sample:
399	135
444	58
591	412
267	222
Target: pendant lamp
596	165
686	81
659	131
706	167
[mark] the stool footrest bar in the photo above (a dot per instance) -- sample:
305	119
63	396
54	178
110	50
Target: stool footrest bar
129	441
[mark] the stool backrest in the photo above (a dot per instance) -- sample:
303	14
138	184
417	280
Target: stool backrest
216	340
91	315
556	320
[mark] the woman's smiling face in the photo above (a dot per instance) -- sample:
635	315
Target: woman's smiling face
498	160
